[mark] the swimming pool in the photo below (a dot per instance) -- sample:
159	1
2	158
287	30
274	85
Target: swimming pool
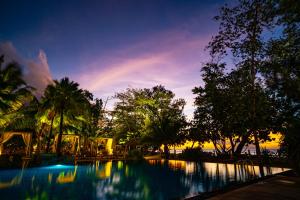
153	179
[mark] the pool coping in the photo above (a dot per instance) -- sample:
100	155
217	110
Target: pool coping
235	186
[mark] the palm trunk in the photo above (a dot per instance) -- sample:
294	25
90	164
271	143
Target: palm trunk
58	148
50	134
39	139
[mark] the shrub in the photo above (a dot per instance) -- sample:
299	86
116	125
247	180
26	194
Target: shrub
135	154
193	154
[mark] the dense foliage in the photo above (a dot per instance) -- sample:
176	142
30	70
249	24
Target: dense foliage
149	116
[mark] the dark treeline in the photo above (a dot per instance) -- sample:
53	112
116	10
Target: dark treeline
252	88
256	93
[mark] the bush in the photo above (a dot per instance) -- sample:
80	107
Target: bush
193	154
135	154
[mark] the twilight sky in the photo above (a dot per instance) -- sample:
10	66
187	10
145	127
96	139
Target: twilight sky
110	45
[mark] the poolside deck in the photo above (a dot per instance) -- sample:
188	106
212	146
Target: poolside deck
278	187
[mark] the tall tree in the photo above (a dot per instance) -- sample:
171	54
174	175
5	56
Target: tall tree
205	124
66	98
223	106
240	36
150	116
165	122
127	119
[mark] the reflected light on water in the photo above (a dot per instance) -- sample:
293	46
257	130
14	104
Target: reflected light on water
15	181
154	179
50	178
67	177
188	167
220	169
120	164
104	172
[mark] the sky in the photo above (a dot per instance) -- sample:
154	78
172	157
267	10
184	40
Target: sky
108	46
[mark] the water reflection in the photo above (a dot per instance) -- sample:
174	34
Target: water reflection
67	177
154	179
205	177
105	171
15	181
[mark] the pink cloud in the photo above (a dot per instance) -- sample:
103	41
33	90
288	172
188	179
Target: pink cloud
172	59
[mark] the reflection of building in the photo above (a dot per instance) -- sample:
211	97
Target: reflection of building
68	177
104	172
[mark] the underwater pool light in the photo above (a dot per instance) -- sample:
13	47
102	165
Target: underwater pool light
59	166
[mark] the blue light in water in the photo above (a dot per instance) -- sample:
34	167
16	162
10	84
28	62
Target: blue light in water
59	166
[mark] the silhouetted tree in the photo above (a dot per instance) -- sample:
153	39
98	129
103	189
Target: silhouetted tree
240	36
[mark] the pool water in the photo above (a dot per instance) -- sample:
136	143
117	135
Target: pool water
153	179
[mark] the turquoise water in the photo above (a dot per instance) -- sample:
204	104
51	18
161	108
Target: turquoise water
120	180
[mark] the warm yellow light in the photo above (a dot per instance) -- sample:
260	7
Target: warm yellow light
50	177
274	144
68	178
109	146
106	171
177	164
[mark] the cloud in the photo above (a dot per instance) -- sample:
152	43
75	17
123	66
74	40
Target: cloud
36	71
172	59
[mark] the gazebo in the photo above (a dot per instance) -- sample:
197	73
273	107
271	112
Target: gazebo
26	136
105	143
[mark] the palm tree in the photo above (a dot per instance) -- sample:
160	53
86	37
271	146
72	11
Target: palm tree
64	97
14	91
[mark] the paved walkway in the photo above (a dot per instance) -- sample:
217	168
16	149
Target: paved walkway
278	187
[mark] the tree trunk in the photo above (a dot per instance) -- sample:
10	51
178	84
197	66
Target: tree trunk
253	78
223	146
256	141
232	145
39	139
193	144
241	145
216	147
50	135
166	151
58	147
